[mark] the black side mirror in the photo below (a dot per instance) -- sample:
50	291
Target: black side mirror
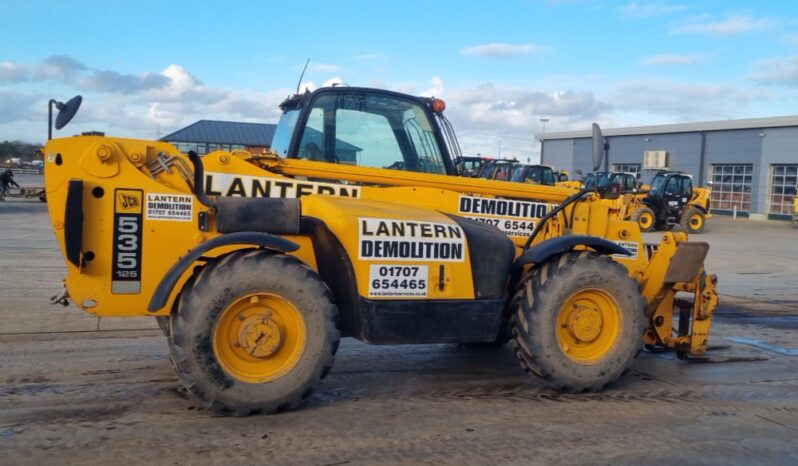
66	111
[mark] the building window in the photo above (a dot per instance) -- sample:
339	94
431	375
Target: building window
783	184
633	168
731	187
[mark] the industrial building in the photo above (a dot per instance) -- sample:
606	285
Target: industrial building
206	136
751	164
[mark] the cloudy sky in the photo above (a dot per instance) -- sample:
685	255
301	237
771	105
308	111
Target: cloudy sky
148	68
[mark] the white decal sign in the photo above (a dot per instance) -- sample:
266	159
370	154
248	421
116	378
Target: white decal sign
631	246
176	207
511	217
398	281
226	184
401	240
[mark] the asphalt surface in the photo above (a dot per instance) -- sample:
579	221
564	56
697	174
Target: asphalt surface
77	391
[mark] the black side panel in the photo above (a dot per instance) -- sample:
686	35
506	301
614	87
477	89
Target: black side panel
73	222
335	268
551	247
267	215
492	255
434	321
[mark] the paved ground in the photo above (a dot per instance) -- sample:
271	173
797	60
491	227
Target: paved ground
70	393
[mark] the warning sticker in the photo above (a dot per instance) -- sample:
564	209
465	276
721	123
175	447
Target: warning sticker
398	281
177	207
410	241
511	217
629	245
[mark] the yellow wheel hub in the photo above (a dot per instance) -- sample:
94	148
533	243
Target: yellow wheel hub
645	220
696	220
259	338
589	325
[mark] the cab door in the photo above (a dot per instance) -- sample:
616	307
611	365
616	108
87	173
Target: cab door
674	197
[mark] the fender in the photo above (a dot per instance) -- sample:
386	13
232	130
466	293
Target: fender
551	247
167	283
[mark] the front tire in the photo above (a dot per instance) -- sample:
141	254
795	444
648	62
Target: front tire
645	219
693	220
254	333
579	322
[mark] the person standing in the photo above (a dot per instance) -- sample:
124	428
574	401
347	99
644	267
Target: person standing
6	181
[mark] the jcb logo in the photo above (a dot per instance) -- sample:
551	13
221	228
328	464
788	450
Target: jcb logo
128	201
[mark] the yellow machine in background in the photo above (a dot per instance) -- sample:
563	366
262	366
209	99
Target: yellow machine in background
256	264
670	199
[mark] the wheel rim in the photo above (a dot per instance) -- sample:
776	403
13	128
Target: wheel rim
589	326
696	221
645	220
259	338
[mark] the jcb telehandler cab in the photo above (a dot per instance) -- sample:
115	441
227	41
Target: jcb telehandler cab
536	174
500	170
603	181
256	264
672	200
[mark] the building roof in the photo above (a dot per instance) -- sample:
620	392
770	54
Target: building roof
748	123
225	132
233	132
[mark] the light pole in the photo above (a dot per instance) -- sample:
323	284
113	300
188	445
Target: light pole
544	121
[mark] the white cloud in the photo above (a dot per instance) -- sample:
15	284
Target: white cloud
673	59
649	9
732	25
437	88
12	73
776	71
497	50
332	81
683	101
15	106
125	104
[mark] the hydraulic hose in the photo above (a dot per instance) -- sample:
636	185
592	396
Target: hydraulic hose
554	212
199	180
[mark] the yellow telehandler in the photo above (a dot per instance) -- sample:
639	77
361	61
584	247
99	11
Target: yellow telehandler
356	225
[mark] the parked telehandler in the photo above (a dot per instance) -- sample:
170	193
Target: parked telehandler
671	199
256	264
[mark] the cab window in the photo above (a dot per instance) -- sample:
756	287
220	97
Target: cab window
372	131
534	175
673	187
631	183
687	187
518	174
503	172
547	176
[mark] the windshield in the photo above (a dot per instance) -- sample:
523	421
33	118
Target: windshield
283	133
658	184
518	174
590	180
605	181
370	130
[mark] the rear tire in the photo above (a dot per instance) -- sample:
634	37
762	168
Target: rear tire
254	332
693	220
645	218
579	322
